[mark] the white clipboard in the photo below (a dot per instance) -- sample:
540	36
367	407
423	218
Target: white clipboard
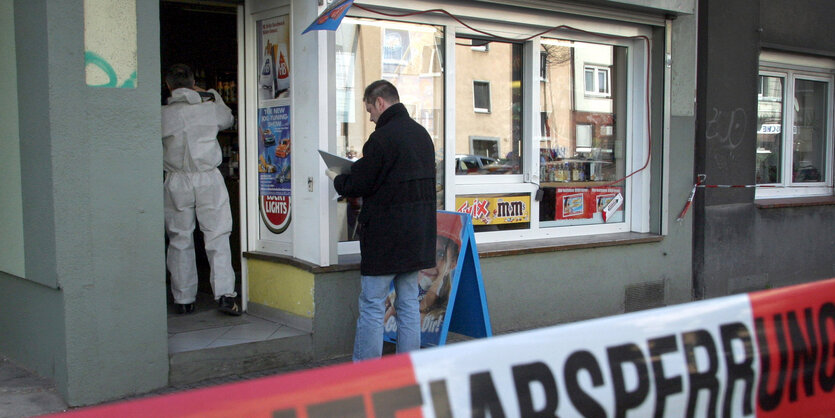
336	163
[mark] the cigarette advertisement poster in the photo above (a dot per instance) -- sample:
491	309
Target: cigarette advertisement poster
274	165
583	203
451	294
274	124
495	209
273	58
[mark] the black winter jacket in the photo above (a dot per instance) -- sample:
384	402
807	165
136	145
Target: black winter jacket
396	179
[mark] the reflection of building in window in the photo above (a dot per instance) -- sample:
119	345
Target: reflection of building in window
580	140
405	54
487	147
431	65
584	137
480	45
769	129
544	127
597	80
481	96
809	130
493	78
555	92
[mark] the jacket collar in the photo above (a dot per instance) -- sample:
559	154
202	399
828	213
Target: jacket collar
184	95
393	111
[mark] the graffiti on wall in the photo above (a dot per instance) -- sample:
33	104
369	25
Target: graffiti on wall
727	129
110	46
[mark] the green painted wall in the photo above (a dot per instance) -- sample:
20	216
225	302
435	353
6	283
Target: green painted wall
11	201
91	178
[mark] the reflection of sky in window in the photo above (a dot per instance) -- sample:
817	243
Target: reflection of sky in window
393	45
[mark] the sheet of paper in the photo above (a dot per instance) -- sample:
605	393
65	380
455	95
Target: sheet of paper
336	163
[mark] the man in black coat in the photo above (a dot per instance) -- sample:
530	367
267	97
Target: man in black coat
396	179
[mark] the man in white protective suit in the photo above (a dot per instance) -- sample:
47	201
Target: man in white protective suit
194	186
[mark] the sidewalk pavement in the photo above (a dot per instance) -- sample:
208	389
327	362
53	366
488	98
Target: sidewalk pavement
24	394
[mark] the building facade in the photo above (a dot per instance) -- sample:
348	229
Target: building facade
542	112
765	122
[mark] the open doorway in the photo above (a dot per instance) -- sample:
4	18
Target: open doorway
204	35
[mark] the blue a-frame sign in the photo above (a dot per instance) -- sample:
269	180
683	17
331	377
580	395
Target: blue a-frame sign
467	312
463	306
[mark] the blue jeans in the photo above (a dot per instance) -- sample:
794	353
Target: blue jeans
368	343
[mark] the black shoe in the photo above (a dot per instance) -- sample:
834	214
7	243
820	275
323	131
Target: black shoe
184	308
227	305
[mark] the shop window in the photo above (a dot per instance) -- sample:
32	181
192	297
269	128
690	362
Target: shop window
481	96
583	148
583	157
794	135
409	55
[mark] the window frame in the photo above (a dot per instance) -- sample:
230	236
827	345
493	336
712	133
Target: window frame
793	68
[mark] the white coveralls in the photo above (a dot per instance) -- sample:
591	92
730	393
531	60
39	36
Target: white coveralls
194	186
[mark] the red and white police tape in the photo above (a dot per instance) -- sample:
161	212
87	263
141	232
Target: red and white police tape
700	179
763	354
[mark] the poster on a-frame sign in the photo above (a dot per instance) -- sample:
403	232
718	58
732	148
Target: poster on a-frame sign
451	294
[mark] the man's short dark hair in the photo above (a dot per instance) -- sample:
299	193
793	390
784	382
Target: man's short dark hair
179	75
381	88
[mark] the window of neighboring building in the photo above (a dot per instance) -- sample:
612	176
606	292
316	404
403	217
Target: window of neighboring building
794	131
481	96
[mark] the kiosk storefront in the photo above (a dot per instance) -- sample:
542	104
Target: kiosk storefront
552	125
543	113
